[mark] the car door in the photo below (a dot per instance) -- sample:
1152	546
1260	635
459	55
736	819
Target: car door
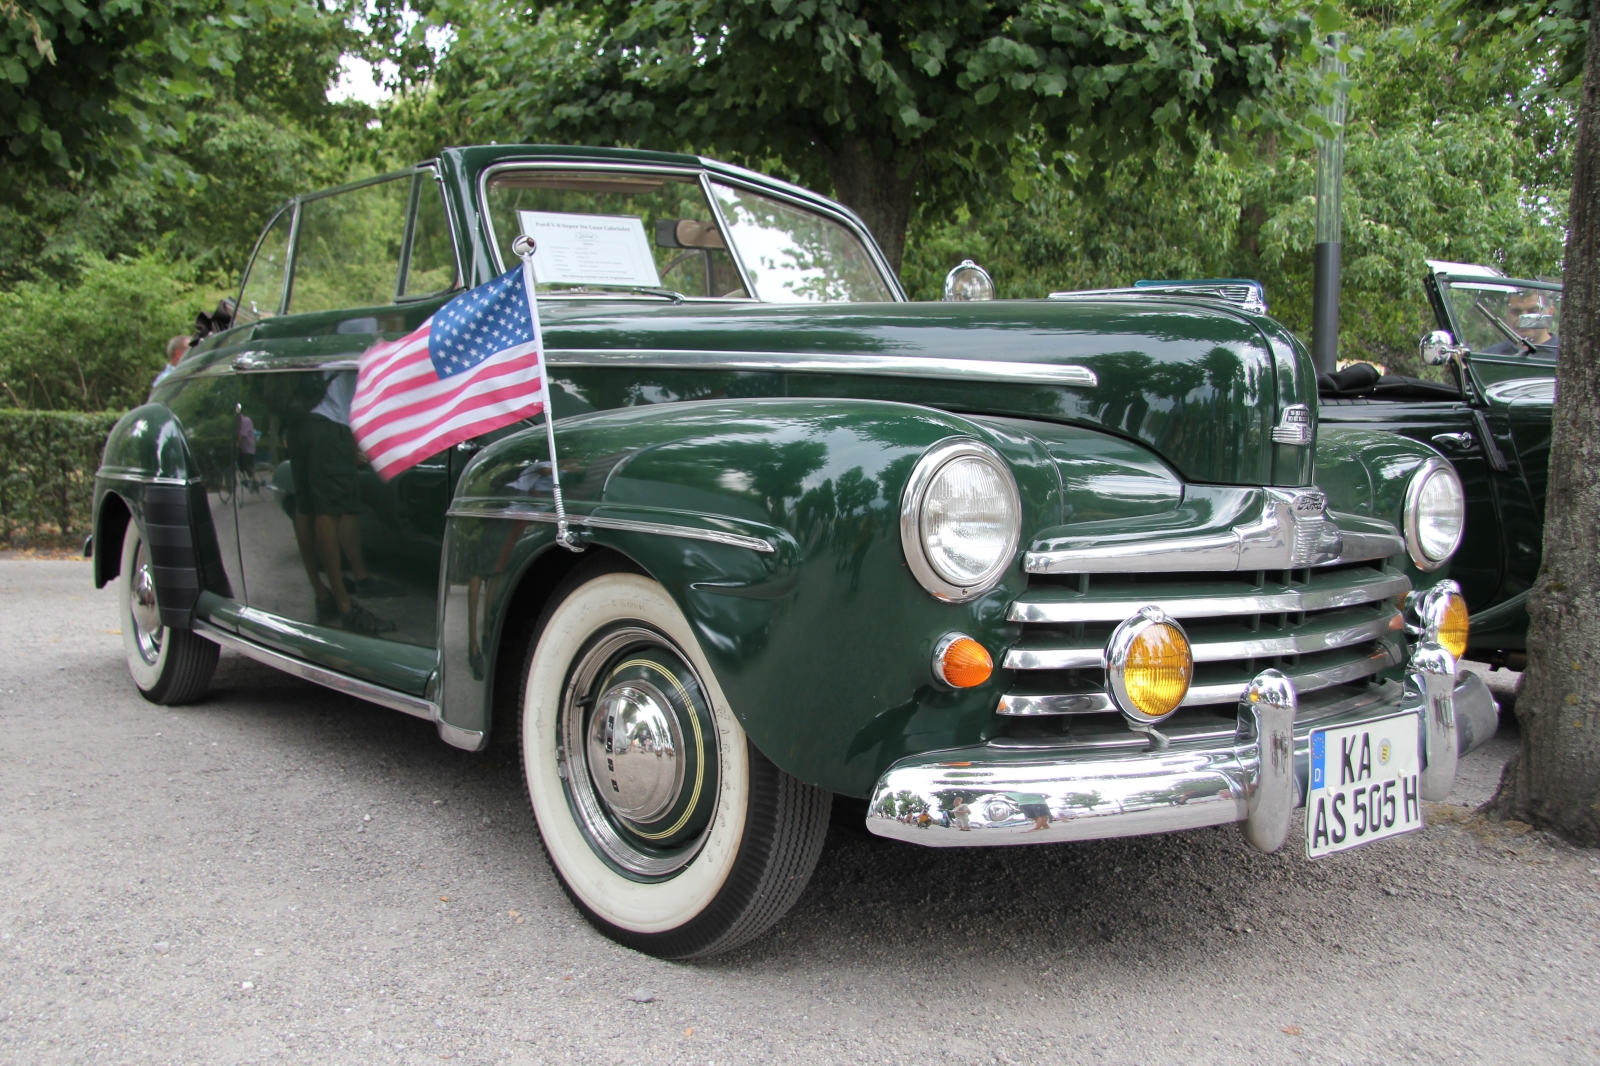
341	566
1509	328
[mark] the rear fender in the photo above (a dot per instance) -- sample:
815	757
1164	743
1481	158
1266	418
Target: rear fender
775	526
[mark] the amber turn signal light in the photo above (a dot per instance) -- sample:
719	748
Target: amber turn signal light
962	662
1453	625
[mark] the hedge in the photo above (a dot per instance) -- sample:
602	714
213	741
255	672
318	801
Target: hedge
47	465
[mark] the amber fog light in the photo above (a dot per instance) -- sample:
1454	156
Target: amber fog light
1149	666
961	662
1439	615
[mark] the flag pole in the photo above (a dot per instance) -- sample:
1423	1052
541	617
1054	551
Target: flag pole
524	247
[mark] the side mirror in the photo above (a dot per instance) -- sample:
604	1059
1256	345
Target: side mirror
1438	348
688	233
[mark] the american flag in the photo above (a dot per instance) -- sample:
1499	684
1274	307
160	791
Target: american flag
471	368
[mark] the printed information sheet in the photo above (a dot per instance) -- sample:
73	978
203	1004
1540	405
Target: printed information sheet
589	249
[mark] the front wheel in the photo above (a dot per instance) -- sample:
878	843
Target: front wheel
169	666
670	832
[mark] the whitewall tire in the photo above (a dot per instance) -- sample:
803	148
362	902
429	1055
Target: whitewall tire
169	666
666	827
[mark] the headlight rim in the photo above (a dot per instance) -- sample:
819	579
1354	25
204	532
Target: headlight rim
912	498
1410	515
1116	655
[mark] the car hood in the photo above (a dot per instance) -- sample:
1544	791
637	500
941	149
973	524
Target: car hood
1199	383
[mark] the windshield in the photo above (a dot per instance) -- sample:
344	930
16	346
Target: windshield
597	231
1503	318
797	256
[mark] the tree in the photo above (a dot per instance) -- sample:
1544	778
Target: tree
886	100
1554	780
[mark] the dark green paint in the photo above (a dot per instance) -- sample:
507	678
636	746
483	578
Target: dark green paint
1365	473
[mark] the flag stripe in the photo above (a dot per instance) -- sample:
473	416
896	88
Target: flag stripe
402	416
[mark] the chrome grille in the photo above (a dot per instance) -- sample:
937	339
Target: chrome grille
1324	627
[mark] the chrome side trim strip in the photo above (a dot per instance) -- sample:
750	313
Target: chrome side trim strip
1179	606
350	686
626	525
1025	658
1367	547
919	366
144	479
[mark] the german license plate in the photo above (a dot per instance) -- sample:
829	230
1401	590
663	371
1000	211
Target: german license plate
1365	784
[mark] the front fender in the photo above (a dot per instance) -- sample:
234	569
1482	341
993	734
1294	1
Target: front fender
823	641
1365	472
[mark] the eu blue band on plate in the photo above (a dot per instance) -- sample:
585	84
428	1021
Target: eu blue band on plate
1319	758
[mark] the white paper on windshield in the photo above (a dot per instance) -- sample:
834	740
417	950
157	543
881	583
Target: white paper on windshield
589	249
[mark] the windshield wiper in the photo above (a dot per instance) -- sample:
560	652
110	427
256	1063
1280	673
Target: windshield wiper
1511	334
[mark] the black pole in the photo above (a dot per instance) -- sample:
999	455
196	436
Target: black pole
1330	185
1325	306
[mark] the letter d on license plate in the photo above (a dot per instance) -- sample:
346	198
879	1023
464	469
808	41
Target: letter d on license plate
1365	784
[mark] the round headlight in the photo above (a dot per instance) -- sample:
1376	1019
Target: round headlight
1435	514
960	519
1149	665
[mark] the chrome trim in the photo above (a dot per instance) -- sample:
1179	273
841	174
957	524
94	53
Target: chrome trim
1431	675
1477	713
911	500
1291	531
918	366
465	739
1413	538
1307	681
1024	658
989	796
626	525
1025	706
264	362
1295	425
350	686
1265	748
1116	659
1179	606
145	479
722	226
1368	547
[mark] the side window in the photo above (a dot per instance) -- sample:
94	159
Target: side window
431	264
262	292
347	253
797	256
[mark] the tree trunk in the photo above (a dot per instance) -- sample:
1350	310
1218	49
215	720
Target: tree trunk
1554	780
869	184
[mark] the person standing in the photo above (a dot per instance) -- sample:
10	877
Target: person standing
177	348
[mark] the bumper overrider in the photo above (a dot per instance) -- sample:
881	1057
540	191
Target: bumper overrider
989	795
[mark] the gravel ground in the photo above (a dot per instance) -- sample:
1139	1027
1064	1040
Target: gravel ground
285	874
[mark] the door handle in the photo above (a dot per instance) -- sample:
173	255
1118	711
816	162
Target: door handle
1462	440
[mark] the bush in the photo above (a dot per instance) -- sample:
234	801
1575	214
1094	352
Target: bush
96	345
47	465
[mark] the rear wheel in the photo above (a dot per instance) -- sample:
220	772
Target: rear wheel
666	827
169	666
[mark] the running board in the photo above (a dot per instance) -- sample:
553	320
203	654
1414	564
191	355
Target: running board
471	740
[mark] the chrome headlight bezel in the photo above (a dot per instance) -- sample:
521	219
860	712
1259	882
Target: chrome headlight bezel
913	499
1411	516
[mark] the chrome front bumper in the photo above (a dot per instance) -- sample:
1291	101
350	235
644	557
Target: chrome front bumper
989	795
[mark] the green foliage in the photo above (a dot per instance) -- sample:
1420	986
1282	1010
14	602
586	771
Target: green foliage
97	345
1435	168
876	101
47	464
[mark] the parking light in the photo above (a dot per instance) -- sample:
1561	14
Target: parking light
961	662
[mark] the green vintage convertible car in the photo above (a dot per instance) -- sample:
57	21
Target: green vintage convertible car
996	572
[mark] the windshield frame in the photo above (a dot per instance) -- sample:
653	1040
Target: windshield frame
1445	281
704	177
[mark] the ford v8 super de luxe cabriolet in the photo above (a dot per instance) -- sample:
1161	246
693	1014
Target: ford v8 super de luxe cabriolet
1008	571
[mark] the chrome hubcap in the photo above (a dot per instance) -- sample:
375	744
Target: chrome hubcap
634	752
143	611
638	753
